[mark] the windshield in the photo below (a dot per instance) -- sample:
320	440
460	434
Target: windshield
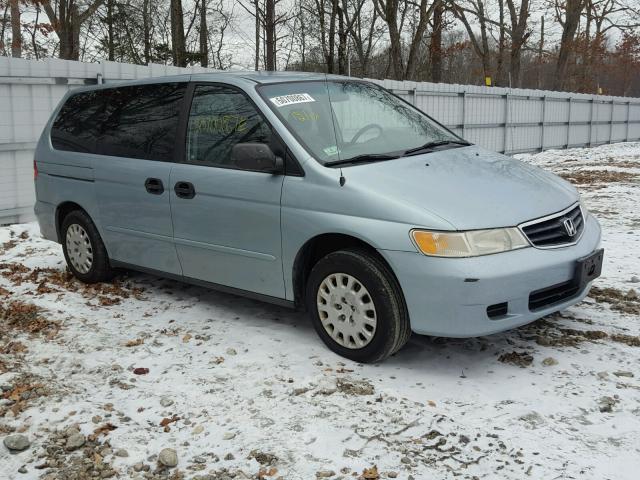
341	120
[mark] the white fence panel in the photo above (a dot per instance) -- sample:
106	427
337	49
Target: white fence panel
500	119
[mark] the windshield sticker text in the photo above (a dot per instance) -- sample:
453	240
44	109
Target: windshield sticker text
303	116
330	151
291	99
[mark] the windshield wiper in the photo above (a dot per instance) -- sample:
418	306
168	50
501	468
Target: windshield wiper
431	145
365	158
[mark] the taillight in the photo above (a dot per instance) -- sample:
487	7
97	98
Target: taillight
35	170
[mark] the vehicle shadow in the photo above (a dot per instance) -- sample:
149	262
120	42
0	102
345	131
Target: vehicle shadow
448	355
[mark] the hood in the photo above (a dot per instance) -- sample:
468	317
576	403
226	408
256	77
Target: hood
470	187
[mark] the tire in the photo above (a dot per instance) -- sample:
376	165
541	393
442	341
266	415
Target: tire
338	274
89	263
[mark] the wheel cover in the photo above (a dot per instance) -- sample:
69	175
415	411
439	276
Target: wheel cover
346	310
79	248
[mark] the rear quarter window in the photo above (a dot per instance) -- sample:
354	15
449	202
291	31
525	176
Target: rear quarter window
76	127
139	121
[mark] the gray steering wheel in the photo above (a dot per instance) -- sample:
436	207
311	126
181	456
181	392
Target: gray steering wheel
364	129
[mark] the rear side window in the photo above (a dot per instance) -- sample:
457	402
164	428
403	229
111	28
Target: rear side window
76	127
221	117
138	121
141	121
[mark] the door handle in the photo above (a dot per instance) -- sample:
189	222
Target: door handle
184	190
154	186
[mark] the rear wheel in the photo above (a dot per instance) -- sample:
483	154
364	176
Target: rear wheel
356	306
83	249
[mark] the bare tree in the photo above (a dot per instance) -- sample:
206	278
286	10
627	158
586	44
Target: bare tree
270	34
146	30
16	29
362	23
475	11
392	12
435	45
204	35
568	15
519	35
67	20
178	46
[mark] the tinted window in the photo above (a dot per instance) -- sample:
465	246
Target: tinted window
139	121
221	117
76	127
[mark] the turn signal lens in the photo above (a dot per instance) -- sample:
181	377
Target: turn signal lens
468	244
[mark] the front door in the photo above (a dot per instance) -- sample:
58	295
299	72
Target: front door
226	219
136	147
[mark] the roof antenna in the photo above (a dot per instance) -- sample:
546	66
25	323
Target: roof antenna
342	179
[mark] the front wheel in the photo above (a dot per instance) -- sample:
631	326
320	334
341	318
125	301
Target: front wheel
357	306
84	250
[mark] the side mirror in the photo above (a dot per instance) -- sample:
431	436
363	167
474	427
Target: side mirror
256	156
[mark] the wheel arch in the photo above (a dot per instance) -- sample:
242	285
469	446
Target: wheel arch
62	210
317	247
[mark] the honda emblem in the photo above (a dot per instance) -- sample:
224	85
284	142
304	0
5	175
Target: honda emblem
570	227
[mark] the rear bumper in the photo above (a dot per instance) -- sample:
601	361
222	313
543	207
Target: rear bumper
46	215
449	297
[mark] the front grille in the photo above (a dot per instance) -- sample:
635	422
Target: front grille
552	295
553	231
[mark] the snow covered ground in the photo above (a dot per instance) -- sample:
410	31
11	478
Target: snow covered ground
241	389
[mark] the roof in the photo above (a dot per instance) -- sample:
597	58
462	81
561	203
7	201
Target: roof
247	76
268	77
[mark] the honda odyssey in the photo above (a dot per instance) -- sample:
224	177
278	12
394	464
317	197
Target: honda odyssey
324	193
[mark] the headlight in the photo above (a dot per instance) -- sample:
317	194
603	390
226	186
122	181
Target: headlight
468	244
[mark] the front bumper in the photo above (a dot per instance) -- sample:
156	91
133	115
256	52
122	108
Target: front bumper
448	297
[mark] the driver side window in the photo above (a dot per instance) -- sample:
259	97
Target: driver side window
221	117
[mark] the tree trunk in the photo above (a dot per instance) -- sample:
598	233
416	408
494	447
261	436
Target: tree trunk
416	41
204	35
16	30
331	39
177	34
34	43
342	42
573	12
146	26
435	46
388	10
540	52
519	36
257	62
110	39
500	75
270	34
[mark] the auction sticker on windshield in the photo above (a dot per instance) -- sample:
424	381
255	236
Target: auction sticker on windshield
292	99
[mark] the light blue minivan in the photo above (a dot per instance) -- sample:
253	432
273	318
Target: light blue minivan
319	192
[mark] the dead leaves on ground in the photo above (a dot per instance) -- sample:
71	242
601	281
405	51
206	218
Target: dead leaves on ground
23	390
370	473
52	280
27	317
165	422
625	302
598	178
520	359
102	430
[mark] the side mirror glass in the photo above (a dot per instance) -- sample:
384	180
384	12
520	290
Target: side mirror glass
256	156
